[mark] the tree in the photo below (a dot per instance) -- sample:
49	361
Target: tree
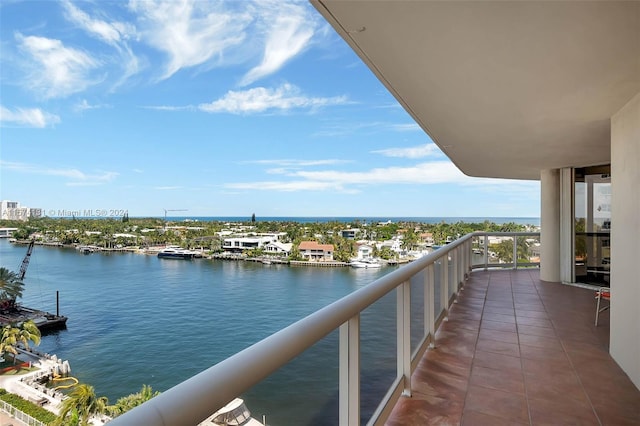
83	403
504	250
131	401
253	218
11	337
10	288
409	240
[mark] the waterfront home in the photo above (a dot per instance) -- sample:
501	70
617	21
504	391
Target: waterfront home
394	244
365	251
545	91
239	244
314	251
278	248
427	239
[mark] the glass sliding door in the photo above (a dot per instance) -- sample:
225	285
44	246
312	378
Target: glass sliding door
592	206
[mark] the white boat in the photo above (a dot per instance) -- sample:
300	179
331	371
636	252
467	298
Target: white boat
175	252
365	263
234	413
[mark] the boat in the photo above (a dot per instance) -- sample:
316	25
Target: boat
234	413
175	252
365	263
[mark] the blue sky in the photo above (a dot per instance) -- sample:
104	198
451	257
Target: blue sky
217	108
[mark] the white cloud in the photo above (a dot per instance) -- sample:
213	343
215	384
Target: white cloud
110	32
190	33
57	71
261	99
409	127
287	186
113	33
84	105
297	163
288	30
77	177
30	117
428	173
424	173
420	151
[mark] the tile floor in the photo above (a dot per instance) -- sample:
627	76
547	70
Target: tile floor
520	351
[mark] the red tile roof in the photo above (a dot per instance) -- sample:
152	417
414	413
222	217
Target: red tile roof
313	245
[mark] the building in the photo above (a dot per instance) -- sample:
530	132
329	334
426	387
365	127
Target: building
350	234
7	232
278	248
11	210
239	244
529	90
365	251
316	252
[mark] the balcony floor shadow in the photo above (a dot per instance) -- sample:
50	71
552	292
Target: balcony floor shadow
535	359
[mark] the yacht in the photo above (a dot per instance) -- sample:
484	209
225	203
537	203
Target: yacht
175	252
234	413
365	263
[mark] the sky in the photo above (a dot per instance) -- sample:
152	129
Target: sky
214	108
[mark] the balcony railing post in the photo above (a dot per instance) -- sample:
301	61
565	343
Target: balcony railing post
485	248
404	335
430	305
444	285
468	247
515	252
460	255
454	272
349	387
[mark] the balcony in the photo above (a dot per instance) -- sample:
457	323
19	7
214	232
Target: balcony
492	347
520	351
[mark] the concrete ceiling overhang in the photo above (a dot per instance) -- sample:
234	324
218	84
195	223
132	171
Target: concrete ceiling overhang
505	89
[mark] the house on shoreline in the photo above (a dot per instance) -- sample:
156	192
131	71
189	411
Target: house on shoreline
316	252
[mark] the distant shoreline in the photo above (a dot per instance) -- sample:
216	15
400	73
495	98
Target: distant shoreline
343	219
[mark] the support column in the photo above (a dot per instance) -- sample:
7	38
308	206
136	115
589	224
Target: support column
550	225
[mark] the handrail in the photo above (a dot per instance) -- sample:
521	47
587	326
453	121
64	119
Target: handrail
193	400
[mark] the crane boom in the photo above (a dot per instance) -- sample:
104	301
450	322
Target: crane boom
25	261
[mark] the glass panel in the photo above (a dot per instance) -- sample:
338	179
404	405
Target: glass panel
592	225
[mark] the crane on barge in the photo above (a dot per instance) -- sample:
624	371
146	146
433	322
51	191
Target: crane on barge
43	320
25	261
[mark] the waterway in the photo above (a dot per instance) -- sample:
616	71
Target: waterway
136	319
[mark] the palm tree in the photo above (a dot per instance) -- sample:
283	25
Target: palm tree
129	402
11	337
82	403
10	286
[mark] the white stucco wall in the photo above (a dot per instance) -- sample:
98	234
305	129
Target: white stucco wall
625	238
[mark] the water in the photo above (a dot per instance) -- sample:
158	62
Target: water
136	319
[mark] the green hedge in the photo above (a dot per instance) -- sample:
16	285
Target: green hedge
27	407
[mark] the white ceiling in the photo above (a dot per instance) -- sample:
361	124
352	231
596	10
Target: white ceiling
505	89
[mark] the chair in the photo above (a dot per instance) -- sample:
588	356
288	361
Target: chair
602	293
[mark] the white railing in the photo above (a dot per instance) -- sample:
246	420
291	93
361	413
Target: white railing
522	259
442	273
19	415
